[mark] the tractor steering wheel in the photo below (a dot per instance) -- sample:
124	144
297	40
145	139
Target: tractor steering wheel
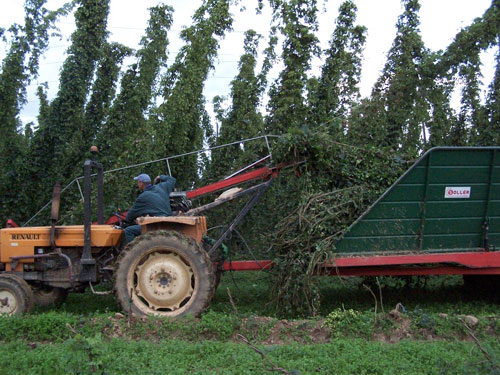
121	219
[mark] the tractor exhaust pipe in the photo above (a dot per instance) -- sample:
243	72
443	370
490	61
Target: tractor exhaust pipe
87	260
54	213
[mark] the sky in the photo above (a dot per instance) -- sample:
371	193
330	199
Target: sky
440	22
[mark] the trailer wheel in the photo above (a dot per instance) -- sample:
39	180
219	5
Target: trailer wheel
16	296
47	296
166	274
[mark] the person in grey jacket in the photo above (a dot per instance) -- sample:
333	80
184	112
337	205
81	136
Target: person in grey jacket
153	201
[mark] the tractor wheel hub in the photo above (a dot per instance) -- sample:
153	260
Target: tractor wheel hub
164	281
8	302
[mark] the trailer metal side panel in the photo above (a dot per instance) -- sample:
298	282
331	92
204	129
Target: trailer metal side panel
449	200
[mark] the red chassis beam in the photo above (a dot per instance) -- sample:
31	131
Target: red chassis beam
411	271
476	259
259	174
484	262
247	265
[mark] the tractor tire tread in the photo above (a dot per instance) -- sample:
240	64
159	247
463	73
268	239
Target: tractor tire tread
183	242
57	297
28	299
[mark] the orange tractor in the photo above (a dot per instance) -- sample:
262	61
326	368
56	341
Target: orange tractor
168	270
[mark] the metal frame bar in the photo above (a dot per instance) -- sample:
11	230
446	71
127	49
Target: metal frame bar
87	258
167	159
486	219
198	210
411	271
479	259
424	204
248	167
80	189
250	204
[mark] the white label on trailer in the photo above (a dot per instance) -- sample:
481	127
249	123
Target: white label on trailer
457	192
14	244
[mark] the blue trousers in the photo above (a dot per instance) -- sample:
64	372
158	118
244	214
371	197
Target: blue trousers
132	232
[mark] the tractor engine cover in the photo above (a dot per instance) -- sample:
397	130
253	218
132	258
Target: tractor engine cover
23	241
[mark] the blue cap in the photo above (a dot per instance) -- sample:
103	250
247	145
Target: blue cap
143	177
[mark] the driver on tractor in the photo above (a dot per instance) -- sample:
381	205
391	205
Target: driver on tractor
153	201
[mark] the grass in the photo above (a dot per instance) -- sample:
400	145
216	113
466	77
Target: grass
423	307
252	295
95	355
86	335
251	292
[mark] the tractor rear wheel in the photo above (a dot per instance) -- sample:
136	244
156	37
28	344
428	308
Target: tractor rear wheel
16	296
47	296
165	274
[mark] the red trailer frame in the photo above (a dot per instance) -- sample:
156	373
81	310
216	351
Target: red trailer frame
469	263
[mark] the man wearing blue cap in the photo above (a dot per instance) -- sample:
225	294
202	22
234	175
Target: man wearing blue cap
153	201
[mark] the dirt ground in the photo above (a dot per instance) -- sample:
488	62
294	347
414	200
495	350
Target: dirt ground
269	331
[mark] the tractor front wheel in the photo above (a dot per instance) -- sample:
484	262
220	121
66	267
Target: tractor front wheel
165	274
16	296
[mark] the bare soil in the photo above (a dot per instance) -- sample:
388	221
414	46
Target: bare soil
265	330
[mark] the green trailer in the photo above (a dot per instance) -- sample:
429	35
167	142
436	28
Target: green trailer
448	201
440	217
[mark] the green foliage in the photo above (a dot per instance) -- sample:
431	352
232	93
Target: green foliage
287	106
243	119
58	145
409	109
329	196
178	122
353	148
489	133
85	342
103	90
350	322
126	128
337	90
125	136
222	326
90	315
462	58
471	117
442	116
312	228
421	319
49	326
19	67
400	91
480	35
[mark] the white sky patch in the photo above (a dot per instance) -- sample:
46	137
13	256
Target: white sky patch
440	21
